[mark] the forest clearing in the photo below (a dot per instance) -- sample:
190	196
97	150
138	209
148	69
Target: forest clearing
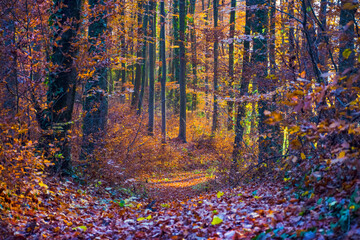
175	119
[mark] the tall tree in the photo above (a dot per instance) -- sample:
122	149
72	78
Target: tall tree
62	83
347	36
8	62
144	51
163	75
259	59
176	55
216	55
193	51
245	79
135	96
96	103
182	80
231	64
152	56
123	49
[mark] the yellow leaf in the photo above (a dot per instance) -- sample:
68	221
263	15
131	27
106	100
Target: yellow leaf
341	154
216	220
303	157
84	228
346	53
140	219
219	194
148	217
41	184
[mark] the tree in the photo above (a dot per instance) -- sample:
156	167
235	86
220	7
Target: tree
260	62
96	104
216	55
245	79
176	56
347	37
182	80
123	49
135	96
193	52
163	64
62	83
144	48
8	62
152	56
231	64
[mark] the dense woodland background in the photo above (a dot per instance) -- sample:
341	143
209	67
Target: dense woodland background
127	107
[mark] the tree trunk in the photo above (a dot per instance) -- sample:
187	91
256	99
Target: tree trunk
259	61
347	37
216	55
176	59
182	82
9	69
152	56
245	79
62	84
163	75
96	104
135	96
144	50
193	52
230	103
123	49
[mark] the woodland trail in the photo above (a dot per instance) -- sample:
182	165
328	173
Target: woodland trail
252	211
180	186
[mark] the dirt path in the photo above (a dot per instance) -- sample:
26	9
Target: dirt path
180	186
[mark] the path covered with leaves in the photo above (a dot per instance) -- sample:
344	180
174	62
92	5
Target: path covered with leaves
253	211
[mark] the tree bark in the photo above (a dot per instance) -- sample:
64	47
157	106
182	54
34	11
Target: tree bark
135	96
144	54
182	81
152	56
216	55
163	75
193	53
230	103
62	84
96	103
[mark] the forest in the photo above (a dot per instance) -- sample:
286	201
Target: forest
179	119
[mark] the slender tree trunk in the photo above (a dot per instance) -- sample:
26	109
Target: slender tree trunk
347	37
216	55
193	53
123	48
96	104
176	59
207	55
9	70
182	81
230	103
272	39
152	56
144	51
137	82
245	79
163	75
292	54
260	62
323	48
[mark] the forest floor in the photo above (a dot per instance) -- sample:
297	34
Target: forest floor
178	207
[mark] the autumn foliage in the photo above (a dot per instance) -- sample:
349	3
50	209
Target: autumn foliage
252	133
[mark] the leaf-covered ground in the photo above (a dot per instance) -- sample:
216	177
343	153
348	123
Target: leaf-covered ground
253	211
